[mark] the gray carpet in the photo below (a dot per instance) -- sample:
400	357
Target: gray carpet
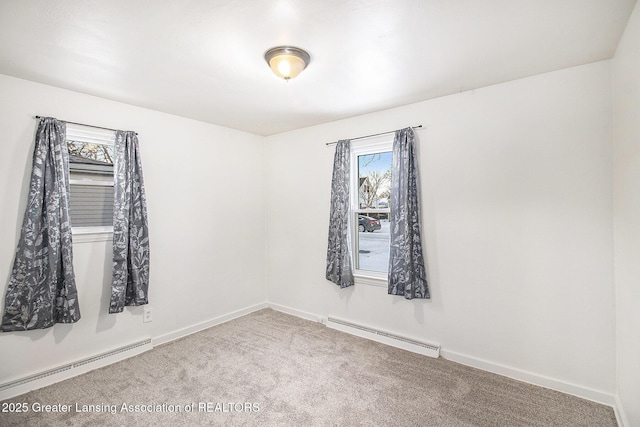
272	369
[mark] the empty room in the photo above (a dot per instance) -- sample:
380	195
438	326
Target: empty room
320	213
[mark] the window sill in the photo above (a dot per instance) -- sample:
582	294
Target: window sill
371	280
92	234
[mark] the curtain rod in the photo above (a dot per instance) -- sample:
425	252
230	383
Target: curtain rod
83	124
369	136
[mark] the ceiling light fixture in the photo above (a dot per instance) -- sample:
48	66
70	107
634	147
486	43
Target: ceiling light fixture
287	61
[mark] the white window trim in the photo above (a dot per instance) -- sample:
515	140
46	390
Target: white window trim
376	144
362	279
81	133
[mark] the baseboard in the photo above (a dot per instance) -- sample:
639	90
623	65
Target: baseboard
535	379
295	312
32	382
46	378
41	379
506	371
621	417
180	333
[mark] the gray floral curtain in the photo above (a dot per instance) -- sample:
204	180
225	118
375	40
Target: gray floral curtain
130	230
407	274
339	269
42	288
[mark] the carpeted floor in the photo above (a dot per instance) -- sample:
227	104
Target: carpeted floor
272	369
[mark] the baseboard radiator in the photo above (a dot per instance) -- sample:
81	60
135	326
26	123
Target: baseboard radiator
383	337
33	382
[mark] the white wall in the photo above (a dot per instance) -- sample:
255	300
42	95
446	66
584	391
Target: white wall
517	194
517	213
627	217
205	194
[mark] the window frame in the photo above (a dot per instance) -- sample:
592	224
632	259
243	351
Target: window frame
88	134
370	145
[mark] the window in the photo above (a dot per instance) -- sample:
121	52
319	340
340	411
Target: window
370	195
91	154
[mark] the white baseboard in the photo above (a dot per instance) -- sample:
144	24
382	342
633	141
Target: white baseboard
621	417
49	377
41	379
535	379
183	332
505	371
46	378
295	312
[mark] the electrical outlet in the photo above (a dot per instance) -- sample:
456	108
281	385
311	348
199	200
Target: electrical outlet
147	315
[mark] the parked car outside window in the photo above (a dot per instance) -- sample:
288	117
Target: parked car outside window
366	223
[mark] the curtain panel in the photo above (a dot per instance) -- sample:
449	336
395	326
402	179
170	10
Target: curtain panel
339	269
130	282
42	289
407	274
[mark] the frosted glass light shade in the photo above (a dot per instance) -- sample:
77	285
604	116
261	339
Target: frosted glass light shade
287	62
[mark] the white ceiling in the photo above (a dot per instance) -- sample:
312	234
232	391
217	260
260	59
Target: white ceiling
203	59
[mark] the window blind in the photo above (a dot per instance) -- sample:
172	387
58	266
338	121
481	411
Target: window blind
91	205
